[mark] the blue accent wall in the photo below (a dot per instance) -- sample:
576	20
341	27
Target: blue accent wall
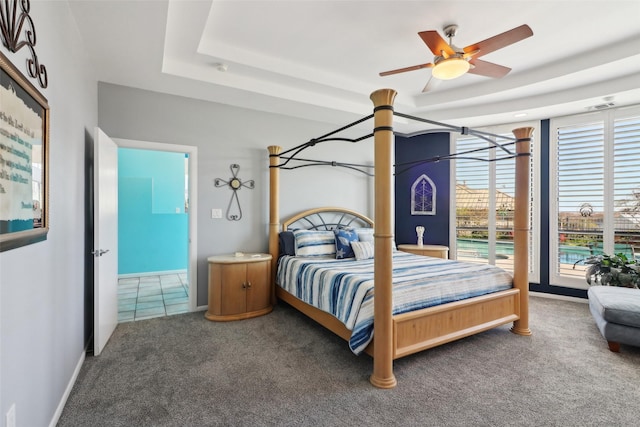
152	222
409	150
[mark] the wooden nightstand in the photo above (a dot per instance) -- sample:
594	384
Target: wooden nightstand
437	251
239	286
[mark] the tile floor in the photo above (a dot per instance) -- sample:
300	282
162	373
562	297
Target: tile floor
146	297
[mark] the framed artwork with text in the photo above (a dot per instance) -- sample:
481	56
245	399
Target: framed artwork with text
24	160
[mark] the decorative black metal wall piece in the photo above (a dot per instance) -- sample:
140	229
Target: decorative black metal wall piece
11	23
234	184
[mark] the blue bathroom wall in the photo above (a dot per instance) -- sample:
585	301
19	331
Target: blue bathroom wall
152	222
409	150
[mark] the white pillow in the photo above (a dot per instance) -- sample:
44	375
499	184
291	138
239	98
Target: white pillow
362	250
315	243
365	234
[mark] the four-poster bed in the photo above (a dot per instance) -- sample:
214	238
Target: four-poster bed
402	334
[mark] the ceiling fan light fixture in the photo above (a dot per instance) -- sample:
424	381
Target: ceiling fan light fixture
450	68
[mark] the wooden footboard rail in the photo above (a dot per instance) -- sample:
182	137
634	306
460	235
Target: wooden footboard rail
429	327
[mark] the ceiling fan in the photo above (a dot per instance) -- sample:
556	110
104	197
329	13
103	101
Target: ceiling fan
451	61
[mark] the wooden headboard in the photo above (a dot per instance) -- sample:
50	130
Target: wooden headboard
326	218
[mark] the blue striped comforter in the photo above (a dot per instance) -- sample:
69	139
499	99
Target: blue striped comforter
344	288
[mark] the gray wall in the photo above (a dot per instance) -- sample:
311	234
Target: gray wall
42	285
226	135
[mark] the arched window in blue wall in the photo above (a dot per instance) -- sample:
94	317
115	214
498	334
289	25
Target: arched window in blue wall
423	196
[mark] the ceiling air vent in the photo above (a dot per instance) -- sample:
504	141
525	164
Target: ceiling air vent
601	106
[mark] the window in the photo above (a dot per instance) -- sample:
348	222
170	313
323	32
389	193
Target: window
485	202
595	190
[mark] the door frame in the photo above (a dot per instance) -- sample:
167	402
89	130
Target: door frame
192	247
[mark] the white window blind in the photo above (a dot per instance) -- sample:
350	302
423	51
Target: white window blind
626	186
505	208
595	191
474	198
580	189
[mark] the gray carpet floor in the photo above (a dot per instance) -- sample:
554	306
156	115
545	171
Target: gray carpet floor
282	369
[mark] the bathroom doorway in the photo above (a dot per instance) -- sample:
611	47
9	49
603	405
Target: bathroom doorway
157	248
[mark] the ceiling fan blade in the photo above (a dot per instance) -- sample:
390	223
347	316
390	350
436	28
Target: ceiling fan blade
436	43
403	70
431	84
488	69
501	40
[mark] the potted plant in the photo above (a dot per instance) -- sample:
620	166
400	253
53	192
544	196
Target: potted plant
612	270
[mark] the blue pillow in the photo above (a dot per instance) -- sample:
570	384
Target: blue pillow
344	237
287	243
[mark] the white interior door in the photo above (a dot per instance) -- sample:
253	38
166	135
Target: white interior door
105	167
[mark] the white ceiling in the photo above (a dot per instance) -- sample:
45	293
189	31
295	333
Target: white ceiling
321	59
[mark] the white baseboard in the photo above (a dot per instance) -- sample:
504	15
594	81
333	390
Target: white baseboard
151	273
560	297
67	392
201	308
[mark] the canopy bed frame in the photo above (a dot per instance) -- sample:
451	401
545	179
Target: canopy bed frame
399	335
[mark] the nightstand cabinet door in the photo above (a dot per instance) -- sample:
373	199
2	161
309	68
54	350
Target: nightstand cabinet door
258	292
233	289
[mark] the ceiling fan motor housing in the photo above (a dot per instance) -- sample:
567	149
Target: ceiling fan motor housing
450	31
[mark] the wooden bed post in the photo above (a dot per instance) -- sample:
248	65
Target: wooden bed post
382	375
521	228
274	213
